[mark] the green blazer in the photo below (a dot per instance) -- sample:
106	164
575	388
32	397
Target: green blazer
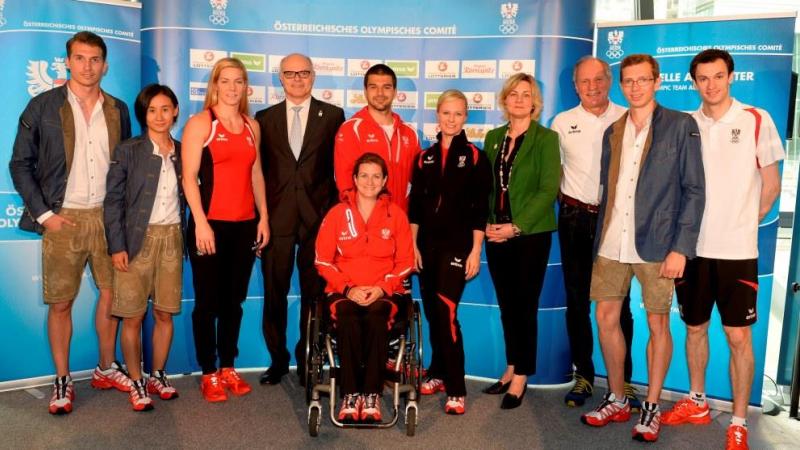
535	177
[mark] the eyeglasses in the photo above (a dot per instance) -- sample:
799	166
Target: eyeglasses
289	74
629	82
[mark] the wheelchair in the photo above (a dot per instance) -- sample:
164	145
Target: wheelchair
404	377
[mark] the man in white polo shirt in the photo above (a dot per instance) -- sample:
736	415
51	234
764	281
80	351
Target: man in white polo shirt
741	149
580	134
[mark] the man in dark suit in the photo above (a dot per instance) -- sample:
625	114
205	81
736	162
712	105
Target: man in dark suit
297	138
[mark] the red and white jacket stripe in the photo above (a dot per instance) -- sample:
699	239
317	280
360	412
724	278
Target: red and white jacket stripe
361	134
351	252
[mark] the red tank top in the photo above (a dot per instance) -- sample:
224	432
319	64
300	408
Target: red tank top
233	156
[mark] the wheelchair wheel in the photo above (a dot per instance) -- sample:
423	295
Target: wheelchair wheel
313	421
312	374
411	421
416	357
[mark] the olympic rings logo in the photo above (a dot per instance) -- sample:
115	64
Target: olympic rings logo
509	28
615	53
219	18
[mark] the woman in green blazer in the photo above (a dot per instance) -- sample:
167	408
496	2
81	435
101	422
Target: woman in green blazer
527	169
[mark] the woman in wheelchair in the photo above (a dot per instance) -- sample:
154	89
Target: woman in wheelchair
364	252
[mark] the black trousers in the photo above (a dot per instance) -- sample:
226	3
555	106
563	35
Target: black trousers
576	233
517	267
362	336
277	265
442	283
220	286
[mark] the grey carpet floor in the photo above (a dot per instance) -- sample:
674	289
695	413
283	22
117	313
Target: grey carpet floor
275	417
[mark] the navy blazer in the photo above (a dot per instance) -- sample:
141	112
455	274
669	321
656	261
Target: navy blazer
45	145
131	193
670	194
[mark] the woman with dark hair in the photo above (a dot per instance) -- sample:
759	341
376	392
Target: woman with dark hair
364	252
143	218
225	191
527	171
448	209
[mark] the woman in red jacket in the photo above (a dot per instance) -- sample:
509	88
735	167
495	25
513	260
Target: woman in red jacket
364	252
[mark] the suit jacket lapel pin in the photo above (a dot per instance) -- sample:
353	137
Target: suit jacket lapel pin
320	113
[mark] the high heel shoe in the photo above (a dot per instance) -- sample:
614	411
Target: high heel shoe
511	401
497	388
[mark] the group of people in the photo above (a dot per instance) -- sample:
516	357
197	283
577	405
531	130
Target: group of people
671	198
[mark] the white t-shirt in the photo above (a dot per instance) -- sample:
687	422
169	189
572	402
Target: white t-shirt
166	208
619	240
580	137
729	229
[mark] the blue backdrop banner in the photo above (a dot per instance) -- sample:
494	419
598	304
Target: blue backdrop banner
32	38
762	50
432	46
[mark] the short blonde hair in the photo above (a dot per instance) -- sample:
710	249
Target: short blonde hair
512	83
451	94
211	91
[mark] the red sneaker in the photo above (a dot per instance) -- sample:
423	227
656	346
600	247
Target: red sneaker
158	384
139	398
350	409
211	387
233	381
63	396
608	411
371	410
687	411
737	438
646	430
455	406
113	377
431	386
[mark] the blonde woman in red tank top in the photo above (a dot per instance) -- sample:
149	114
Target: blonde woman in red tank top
224	187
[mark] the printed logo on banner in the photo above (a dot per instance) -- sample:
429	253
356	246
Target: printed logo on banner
480	101
197	91
477	132
275	95
404	68
200	58
442	69
431	99
275	63
253	62
328	66
2	17
10	214
218	16
406	100
257	94
508	11
508	67
429	131
357	67
484	68
332	96
355	98
615	44
40	78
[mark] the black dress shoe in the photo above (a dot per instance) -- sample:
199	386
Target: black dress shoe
497	388
511	401
273	375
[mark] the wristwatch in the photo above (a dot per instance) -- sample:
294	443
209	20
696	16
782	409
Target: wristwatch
516	229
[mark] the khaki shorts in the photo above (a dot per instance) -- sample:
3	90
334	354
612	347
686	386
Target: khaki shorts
156	271
66	251
611	280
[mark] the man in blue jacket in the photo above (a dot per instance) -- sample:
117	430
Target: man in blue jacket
653	195
61	156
